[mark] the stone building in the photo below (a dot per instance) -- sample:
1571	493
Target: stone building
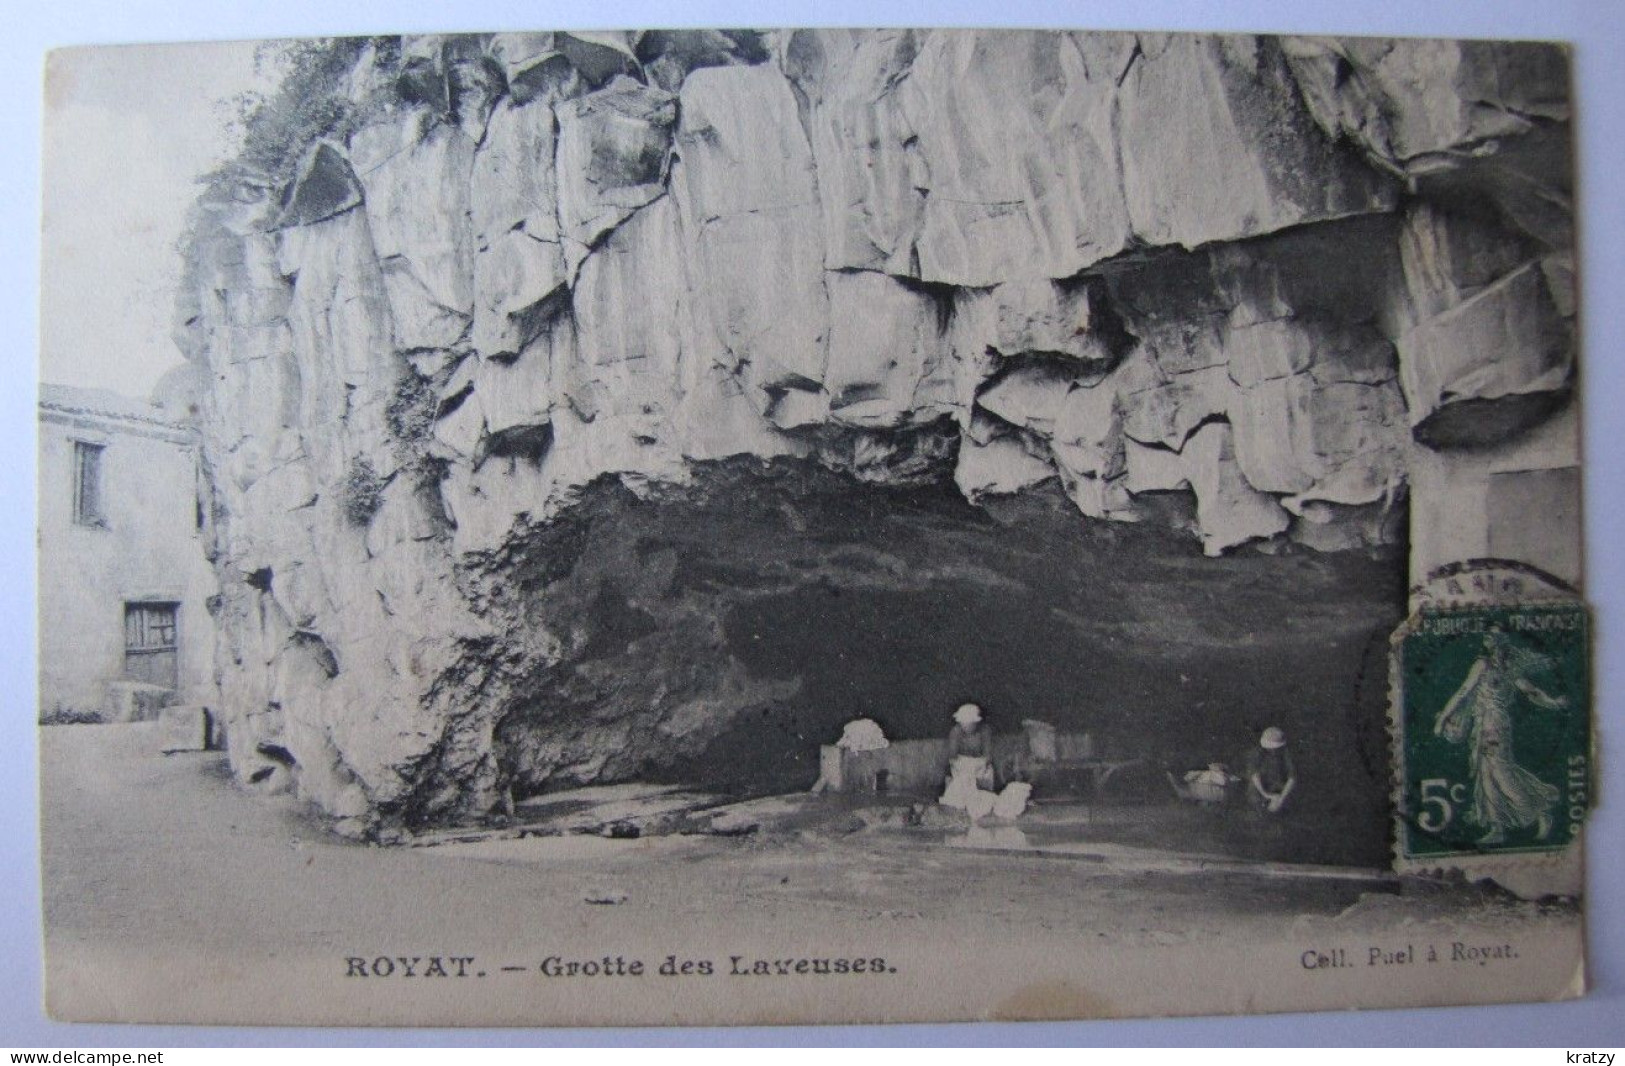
123	582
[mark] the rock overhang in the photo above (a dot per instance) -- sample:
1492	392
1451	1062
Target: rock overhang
1167	266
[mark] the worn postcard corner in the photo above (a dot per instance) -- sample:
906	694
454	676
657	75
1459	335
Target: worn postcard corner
694	527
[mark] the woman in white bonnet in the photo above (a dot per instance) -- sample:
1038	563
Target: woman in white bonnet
970	758
1271	777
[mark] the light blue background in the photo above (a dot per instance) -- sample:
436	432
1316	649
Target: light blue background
1597	31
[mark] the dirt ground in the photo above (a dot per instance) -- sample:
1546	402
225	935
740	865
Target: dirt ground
146	854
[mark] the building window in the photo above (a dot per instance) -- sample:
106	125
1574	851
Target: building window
87	484
150	643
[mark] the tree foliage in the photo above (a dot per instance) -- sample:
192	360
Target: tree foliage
313	100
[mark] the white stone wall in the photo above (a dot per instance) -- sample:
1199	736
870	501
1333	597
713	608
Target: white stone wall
149	548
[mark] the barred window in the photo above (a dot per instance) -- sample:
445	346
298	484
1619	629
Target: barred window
87	484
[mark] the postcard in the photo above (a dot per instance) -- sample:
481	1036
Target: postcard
695	527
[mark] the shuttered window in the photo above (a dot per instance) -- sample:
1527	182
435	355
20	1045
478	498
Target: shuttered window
151	648
149	627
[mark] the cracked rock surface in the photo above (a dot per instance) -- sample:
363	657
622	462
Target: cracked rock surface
1223	285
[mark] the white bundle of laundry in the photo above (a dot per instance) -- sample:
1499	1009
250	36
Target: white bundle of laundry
967	775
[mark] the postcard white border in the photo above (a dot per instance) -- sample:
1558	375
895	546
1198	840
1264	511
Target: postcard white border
1598	32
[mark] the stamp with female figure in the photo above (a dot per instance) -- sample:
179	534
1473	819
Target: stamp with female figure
1494	731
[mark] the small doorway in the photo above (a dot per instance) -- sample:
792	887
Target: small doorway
150	644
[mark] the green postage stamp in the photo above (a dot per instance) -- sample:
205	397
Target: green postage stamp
1494	731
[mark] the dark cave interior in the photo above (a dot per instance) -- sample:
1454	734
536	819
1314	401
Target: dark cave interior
720	634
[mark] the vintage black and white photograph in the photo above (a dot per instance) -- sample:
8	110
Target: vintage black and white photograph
765	526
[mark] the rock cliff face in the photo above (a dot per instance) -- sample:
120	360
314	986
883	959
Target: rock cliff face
1228	284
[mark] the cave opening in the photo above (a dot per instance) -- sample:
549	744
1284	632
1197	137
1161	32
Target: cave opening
717	636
